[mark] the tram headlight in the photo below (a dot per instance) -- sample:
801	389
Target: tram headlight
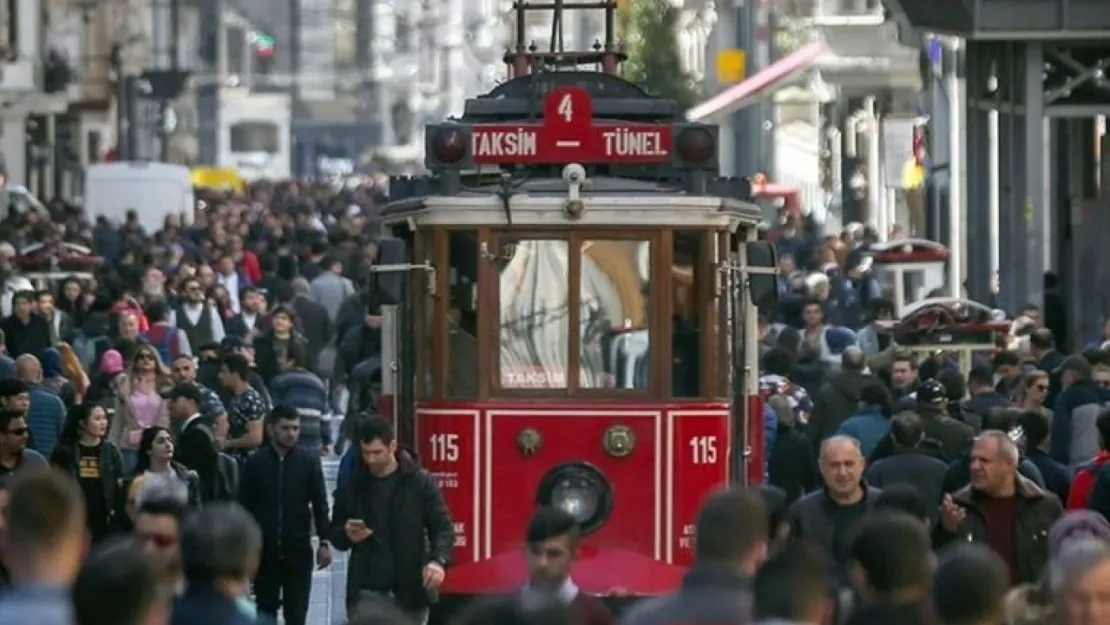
580	490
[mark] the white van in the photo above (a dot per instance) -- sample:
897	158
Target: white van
153	190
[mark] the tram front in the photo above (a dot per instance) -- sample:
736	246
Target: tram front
574	331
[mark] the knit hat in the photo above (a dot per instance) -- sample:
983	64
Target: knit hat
1077	525
111	362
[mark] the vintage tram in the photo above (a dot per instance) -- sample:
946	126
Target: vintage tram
570	320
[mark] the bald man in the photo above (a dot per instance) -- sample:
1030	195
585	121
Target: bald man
46	414
828	516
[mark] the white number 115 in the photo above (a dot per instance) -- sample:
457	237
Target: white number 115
704	449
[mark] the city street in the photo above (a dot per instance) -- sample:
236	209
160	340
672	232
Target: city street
328	585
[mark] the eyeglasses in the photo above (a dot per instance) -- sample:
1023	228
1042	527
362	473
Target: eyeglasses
17	432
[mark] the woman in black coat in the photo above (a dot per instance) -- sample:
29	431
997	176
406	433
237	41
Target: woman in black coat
96	464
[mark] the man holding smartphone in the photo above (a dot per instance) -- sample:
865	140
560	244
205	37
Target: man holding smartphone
386	512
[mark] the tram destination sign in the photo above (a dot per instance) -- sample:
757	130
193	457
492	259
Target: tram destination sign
568	134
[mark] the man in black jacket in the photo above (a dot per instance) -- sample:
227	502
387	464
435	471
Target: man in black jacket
390	513
283	488
196	442
25	331
909	464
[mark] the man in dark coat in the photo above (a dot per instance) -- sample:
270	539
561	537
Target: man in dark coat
838	398
1001	509
909	464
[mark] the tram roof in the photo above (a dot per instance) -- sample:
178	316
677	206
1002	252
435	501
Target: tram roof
598	189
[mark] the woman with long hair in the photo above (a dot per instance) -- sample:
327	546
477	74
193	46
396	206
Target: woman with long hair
156	456
72	301
139	402
73	370
94	462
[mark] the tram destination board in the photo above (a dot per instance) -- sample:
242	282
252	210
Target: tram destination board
568	134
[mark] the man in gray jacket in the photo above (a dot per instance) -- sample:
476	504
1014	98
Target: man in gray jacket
731	546
330	288
828	516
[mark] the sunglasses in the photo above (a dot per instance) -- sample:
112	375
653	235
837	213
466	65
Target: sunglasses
145	356
17	432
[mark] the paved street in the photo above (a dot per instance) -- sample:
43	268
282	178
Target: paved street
328	585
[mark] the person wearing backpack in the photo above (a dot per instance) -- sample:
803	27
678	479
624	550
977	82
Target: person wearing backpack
164	337
1083	484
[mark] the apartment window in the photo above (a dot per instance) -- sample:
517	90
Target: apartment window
255	137
9	27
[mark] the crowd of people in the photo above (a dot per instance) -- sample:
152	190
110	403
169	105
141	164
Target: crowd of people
170	410
186	379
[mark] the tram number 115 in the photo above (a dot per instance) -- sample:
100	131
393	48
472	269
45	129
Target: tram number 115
704	449
445	447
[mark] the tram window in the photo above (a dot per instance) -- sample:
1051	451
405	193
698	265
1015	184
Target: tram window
686	322
462	314
534	328
255	137
614	317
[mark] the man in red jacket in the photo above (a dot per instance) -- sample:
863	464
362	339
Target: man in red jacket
1085	475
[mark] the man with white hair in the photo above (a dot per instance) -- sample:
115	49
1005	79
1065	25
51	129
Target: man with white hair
1001	508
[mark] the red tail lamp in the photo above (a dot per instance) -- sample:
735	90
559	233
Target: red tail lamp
449	146
696	145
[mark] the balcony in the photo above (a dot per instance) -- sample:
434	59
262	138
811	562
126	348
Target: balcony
861	49
1007	19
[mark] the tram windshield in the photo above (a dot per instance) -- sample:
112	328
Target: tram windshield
573	312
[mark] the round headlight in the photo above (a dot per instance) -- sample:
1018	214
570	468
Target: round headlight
581	491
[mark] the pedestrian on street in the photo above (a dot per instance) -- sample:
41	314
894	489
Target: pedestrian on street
161	505
891	560
283	489
793	586
15	456
44	538
731	546
1074	433
196	447
220	548
970	585
552	547
1001	508
828	516
391	515
909	464
119	585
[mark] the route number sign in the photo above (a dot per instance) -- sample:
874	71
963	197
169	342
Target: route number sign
568	135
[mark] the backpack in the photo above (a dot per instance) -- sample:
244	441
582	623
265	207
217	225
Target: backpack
167	347
226	478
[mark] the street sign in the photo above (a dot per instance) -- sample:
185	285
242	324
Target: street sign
567	134
732	66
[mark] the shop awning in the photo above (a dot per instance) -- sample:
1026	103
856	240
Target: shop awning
763	82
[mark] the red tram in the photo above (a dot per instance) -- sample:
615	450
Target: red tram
570	321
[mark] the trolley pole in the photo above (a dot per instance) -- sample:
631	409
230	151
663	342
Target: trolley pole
957	242
994	188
